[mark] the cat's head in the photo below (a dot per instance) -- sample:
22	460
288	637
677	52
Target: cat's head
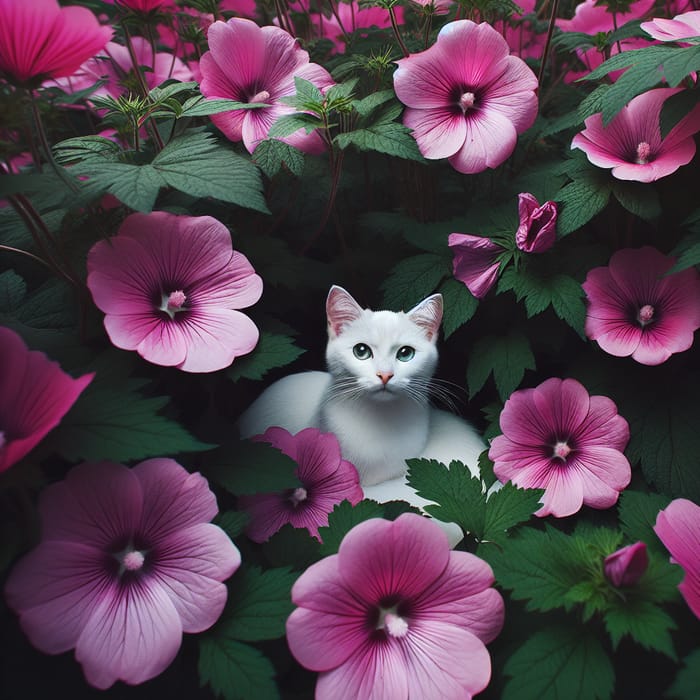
385	354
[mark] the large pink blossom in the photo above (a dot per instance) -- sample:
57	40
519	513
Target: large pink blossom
253	64
128	561
635	308
558	438
326	478
396	614
678	527
631	143
35	393
466	98
680	27
39	39
475	262
170	287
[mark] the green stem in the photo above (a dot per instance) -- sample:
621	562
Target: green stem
397	33
26	253
548	40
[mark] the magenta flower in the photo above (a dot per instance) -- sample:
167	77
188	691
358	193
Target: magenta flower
128	561
681	27
35	393
467	99
170	287
627	565
678	527
538	224
327	479
635	308
475	262
558	438
39	39
396	614
631	143
255	64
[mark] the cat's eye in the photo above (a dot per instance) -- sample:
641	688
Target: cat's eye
405	353
362	351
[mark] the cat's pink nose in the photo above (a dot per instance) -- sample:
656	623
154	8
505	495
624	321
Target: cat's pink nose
385	377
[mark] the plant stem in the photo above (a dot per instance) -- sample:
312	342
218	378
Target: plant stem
397	33
26	253
548	40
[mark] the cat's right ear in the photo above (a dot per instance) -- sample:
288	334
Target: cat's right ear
341	309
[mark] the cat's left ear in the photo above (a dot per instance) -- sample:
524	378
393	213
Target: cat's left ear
341	309
428	315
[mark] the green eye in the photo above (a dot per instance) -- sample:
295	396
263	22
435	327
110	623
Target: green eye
362	351
405	353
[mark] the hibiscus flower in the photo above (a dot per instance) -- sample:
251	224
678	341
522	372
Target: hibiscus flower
684	26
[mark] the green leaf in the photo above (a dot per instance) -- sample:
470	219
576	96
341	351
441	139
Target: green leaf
637	512
12	291
232	522
391	138
414	278
505	356
273	350
259	603
646	623
235	671
367	105
508	507
675	108
199	106
581	200
686	686
638	198
293	547
687	252
271	154
559	662
290	123
459	305
342	519
137	186
247	467
86	149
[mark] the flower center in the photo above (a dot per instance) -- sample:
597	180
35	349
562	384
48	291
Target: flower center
645	315
173	302
262	96
643	153
394	625
561	451
133	561
466	101
298	496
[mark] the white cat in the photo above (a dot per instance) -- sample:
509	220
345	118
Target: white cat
374	397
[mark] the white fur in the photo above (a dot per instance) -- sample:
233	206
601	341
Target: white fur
379	422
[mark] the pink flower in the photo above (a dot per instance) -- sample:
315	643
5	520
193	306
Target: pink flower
170	286
467	99
327	479
128	561
627	565
520	33
39	39
434	7
538	224
683	26
678	527
636	309
396	614
256	64
558	438
35	393
242	8
631	143
143	5
475	262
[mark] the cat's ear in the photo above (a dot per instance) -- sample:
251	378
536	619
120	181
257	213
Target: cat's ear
428	315
341	309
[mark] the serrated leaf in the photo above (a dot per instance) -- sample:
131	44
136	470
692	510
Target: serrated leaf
508	507
638	512
638	198
687	252
458	305
199	106
686	685
259	603
580	201
290	123
414	278
646	623
273	350
559	662
271	154
368	104
85	149
293	547
12	291
506	357
390	138
235	671
675	108
342	519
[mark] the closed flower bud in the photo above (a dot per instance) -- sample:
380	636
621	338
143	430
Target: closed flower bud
627	565
537	230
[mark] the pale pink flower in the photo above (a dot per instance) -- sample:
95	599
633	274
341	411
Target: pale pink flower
627	565
396	614
683	26
170	287
635	308
466	98
631	143
434	7
39	39
537	230
475	262
326	478
35	393
520	34
678	527
558	438
128	561
253	64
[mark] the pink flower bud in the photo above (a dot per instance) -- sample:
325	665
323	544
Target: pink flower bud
537	230
627	565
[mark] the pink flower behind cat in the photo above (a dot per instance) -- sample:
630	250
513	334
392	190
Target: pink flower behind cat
35	393
396	614
636	309
128	561
327	479
678	527
171	287
558	438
